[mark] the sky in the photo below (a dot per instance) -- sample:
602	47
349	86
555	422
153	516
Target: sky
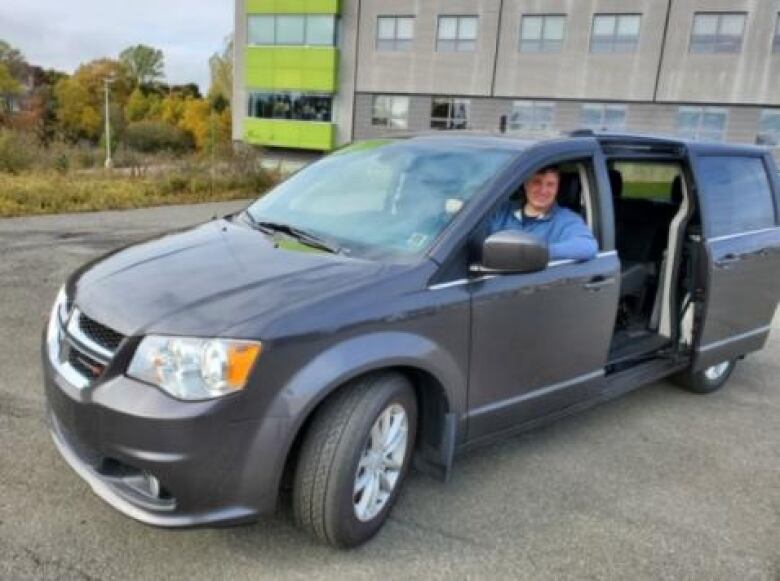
62	34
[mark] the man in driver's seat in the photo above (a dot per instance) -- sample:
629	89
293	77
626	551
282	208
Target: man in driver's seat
564	231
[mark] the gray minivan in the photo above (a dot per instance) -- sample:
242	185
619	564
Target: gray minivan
358	319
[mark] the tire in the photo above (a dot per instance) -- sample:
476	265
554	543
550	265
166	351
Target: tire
326	498
707	380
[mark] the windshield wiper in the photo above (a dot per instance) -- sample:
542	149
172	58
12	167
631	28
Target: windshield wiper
307	238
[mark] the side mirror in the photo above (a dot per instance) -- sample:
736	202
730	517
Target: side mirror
512	251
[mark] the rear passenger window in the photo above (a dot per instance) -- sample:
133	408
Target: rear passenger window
738	195
647	180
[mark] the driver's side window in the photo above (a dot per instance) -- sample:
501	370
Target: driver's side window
555	205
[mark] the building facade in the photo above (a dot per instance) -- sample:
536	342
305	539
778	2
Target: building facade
314	74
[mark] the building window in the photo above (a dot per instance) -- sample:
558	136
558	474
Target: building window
532	116
542	33
776	41
394	33
615	33
604	117
703	123
293	106
450	113
391	111
457	33
769	130
292	30
717	32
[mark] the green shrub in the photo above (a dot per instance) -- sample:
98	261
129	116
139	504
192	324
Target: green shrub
17	151
174	184
244	171
157	136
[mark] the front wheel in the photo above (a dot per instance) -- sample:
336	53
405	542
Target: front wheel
707	380
354	458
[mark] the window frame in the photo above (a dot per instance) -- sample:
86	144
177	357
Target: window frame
451	119
774	142
251	105
678	165
389	118
604	108
542	42
394	44
776	37
713	227
702	111
613	41
305	43
697	45
590	195
458	42
535	106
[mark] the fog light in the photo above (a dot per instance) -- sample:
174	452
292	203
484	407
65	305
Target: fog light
153	484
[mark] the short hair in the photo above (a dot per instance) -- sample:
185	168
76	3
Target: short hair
549	169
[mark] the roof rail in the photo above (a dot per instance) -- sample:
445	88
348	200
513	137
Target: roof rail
612	142
582	133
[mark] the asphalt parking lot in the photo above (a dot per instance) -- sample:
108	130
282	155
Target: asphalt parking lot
660	484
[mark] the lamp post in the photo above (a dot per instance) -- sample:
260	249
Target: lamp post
109	162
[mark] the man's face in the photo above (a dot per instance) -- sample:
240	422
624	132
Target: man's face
541	191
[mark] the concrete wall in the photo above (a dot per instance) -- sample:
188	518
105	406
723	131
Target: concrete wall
750	76
344	99
240	103
575	72
423	69
742	124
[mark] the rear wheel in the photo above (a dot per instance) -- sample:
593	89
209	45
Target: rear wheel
707	380
354	458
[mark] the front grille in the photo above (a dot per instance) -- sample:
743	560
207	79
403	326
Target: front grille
100	334
87	366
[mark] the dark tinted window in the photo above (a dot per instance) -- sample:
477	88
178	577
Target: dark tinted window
297	106
738	195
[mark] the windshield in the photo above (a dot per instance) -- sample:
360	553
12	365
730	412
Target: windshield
382	198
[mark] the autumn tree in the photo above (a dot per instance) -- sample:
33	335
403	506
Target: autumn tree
40	111
195	120
10	89
144	63
13	72
172	108
14	61
142	107
221	66
80	98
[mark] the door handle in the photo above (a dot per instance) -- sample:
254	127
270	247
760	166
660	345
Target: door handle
598	282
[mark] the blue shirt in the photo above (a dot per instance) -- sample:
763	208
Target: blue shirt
564	231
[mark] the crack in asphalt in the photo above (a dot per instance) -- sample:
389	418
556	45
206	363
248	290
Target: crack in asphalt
14	407
42	562
442	533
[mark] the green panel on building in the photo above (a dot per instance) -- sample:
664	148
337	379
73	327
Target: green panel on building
294	134
292	6
292	68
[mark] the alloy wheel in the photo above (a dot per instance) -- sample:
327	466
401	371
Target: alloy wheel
381	462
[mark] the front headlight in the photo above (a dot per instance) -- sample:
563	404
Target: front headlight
194	369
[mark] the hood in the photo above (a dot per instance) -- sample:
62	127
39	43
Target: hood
207	279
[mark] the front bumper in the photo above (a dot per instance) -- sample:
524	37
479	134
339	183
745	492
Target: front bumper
214	464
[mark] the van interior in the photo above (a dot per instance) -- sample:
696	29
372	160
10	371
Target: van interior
652	212
654	218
